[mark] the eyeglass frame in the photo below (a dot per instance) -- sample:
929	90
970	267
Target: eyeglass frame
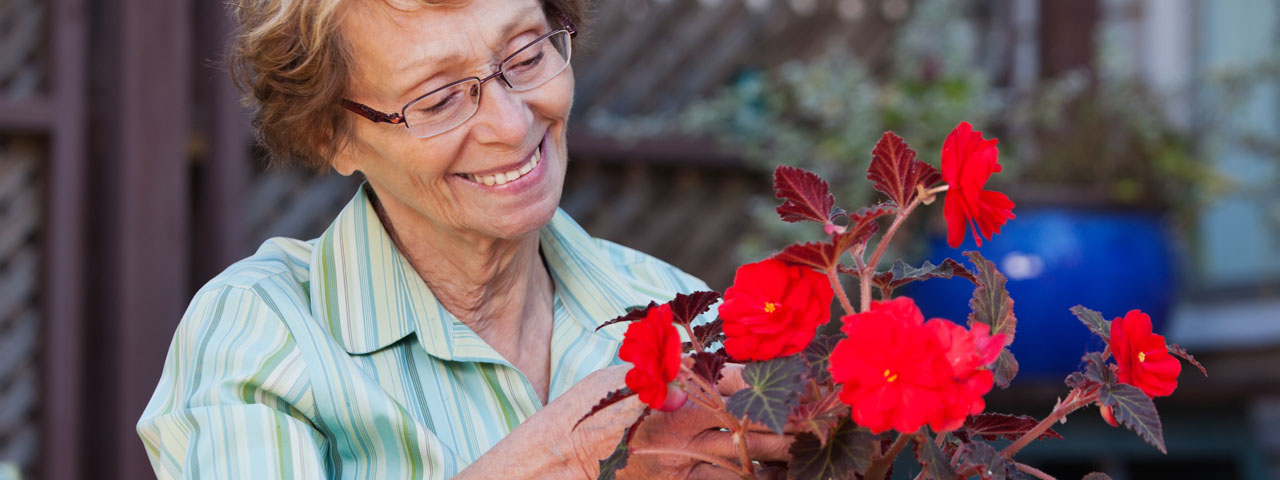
376	116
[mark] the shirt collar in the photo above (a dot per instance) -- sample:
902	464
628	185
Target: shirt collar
369	296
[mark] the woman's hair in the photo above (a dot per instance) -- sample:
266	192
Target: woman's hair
291	63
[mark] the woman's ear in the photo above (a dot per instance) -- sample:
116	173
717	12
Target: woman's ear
344	160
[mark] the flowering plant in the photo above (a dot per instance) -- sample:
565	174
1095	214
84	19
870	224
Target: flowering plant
856	399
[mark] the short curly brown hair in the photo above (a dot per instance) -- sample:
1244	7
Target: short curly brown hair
291	63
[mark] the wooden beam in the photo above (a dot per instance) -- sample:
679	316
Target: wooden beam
64	248
26	115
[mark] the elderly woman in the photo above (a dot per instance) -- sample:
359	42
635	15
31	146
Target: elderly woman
445	323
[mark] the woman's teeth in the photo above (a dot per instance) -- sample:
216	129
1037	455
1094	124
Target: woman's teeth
503	178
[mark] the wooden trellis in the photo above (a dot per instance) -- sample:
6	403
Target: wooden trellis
21	202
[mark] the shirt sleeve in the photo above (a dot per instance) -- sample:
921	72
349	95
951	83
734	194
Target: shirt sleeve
233	400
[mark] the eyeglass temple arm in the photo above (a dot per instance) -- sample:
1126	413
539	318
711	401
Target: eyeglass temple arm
568	25
371	114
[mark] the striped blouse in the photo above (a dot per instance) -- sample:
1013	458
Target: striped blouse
331	358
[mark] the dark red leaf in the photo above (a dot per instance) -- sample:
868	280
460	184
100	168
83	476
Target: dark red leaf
820	255
708	364
618	459
633	314
901	274
805	195
825	256
936	464
994	466
818	417
610	399
1182	352
895	171
686	308
1134	409
1096	476
992	305
991	426
709	333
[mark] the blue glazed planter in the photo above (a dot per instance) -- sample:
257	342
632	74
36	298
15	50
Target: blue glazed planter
1056	258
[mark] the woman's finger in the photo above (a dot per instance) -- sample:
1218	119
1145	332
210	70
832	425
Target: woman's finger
760	446
704	470
731	381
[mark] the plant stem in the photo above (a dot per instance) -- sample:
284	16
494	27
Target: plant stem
1076	399
869	270
1033	471
692	339
880	465
740	439
844	297
684	453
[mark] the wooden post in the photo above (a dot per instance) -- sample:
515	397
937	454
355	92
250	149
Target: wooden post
223	181
139	219
64	249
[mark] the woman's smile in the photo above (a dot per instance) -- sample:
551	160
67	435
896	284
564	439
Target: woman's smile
512	178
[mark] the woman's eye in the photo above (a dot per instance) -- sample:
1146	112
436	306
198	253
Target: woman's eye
440	105
530	62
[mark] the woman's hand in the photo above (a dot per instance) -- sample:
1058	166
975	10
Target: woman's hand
691	428
548	446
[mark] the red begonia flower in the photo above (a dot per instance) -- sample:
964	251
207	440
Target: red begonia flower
652	345
773	309
901	373
968	352
1143	357
968	161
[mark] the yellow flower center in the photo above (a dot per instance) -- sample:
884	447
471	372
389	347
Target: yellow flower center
890	376
770	307
1142	357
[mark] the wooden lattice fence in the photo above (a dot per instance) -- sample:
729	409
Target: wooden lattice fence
21	200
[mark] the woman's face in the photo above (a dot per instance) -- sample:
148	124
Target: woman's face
438	182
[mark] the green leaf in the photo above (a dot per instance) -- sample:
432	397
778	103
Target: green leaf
818	356
901	274
618	459
936	464
992	305
1094	321
1134	409
848	451
773	388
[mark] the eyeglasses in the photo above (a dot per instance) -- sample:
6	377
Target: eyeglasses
445	108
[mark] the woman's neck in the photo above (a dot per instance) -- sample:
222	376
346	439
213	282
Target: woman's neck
498	287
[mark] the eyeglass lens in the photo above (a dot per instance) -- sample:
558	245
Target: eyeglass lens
528	68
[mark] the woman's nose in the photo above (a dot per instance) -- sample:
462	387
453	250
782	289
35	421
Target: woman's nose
503	116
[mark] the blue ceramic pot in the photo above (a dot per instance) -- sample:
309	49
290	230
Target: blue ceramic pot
1056	258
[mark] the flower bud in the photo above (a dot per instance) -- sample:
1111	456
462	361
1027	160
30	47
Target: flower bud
675	398
1107	415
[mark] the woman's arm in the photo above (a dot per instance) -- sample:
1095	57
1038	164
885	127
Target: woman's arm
232	399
